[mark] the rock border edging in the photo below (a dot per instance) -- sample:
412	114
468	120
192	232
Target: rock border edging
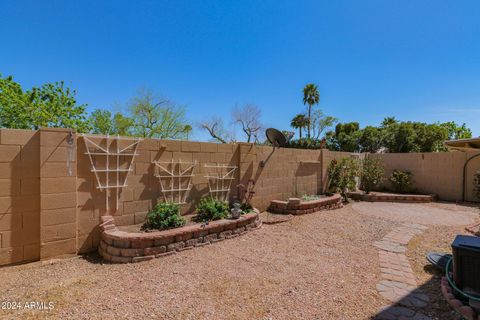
296	206
124	247
465	310
392	197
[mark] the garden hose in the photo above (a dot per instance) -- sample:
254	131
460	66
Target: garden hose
452	284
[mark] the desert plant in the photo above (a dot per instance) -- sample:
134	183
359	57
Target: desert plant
247	192
211	209
310	197
372	174
476	185
342	174
164	216
401	181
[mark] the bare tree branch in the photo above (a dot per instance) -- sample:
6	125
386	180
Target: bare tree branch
248	117
215	128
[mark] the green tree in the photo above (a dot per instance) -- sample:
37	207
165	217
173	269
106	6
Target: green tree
157	117
102	122
320	122
14	105
50	105
187	129
388	121
401	137
299	122
122	125
395	136
311	96
371	139
455	131
346	137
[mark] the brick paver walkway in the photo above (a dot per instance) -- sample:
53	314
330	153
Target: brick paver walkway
398	283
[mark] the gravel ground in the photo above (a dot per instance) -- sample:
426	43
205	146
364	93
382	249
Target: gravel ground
316	266
434	213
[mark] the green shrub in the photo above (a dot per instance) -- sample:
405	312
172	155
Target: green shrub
372	174
306	143
310	197
342	174
212	209
401	181
164	216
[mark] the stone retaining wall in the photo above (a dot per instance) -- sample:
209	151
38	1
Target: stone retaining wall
296	206
391	197
123	247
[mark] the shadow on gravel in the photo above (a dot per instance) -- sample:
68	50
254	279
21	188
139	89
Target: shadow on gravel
93	257
436	308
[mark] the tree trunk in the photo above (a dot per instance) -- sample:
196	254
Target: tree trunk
300	132
309	119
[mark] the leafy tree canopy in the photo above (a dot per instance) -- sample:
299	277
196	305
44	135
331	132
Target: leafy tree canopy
156	117
395	136
50	105
102	122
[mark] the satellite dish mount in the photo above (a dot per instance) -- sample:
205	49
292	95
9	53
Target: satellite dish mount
277	139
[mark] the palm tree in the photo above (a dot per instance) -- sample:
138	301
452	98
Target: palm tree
299	122
311	96
187	129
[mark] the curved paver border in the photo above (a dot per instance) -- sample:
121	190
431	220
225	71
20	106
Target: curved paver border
398	284
123	247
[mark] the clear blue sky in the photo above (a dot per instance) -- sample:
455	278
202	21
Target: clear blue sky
415	60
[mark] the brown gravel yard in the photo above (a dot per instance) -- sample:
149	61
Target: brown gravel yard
316	266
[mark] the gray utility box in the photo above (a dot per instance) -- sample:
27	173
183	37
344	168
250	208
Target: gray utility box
466	263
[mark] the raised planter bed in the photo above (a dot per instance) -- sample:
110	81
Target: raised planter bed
391	197
296	206
123	247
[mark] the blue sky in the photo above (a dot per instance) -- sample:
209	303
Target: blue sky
415	60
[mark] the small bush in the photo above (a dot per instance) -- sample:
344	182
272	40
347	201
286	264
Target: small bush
310	197
164	216
372	174
211	209
342	174
401	181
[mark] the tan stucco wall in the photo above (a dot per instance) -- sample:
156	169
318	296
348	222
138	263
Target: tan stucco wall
439	173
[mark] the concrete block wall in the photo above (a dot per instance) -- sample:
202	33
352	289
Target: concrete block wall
288	172
144	189
50	204
19	196
58	192
440	173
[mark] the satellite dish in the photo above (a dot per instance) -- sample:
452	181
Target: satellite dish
277	139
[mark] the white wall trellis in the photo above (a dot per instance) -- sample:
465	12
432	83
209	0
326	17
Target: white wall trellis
220	179
175	179
105	162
